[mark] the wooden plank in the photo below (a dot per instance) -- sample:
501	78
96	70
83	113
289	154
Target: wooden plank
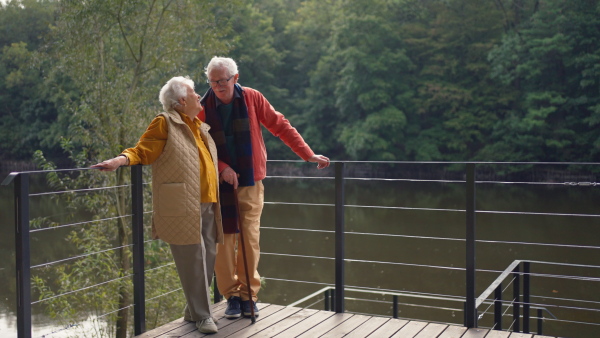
163	329
306	324
288	322
497	334
192	334
475	333
269	321
276	320
182	330
410	330
243	323
389	328
346	327
367	327
218	310
177	323
431	330
453	331
326	325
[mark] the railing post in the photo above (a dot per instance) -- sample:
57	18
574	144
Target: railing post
498	307
339	236
23	255
332	300
395	306
137	223
540	321
526	267
516	300
471	310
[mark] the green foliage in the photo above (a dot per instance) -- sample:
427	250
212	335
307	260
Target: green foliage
474	80
551	61
29	108
117	65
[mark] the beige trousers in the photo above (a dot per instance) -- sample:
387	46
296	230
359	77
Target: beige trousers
195	264
229	268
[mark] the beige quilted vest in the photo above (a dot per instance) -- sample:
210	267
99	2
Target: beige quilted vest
176	217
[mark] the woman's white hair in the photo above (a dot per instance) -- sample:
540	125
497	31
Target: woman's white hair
221	62
173	90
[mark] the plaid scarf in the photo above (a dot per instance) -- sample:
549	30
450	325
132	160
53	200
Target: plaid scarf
243	151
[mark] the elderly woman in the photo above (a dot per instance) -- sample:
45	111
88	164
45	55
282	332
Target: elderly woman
186	210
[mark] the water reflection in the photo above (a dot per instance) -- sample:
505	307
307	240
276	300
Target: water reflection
402	263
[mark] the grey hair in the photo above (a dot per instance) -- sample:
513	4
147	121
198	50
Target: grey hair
173	90
221	62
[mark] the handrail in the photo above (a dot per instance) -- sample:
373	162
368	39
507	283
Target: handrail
485	294
10	178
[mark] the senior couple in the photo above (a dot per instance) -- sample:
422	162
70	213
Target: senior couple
204	152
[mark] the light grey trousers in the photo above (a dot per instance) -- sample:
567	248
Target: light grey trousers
195	265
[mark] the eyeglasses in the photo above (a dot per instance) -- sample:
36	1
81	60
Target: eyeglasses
220	82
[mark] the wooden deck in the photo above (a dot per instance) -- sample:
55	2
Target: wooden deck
282	321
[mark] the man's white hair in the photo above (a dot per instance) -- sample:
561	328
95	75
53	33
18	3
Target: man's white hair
173	90
221	62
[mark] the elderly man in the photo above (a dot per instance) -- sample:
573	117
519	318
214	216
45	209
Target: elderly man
235	114
186	210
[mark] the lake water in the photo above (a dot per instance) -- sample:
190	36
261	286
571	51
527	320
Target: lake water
419	253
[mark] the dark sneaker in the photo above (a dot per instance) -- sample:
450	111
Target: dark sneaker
233	307
246	308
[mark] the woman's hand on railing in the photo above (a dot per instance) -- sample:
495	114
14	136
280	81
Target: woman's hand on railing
112	164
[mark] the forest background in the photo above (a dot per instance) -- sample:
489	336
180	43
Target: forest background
410	80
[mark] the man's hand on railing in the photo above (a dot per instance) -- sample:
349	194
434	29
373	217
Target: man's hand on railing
322	161
112	164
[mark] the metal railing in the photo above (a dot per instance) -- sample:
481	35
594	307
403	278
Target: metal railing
329	295
334	295
20	181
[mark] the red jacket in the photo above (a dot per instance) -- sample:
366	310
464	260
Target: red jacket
260	112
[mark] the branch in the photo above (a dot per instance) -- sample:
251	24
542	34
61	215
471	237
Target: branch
123	32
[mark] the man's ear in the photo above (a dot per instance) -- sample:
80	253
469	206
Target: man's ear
182	101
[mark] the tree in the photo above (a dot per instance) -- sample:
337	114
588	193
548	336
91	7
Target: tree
29	109
551	61
119	62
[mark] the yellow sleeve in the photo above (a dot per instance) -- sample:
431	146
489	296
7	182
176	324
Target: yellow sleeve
151	144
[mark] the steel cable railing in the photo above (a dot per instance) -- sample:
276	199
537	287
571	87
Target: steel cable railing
47	264
337	205
54	227
81	289
474	211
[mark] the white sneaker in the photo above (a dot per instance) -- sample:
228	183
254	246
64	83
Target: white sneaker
207	326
